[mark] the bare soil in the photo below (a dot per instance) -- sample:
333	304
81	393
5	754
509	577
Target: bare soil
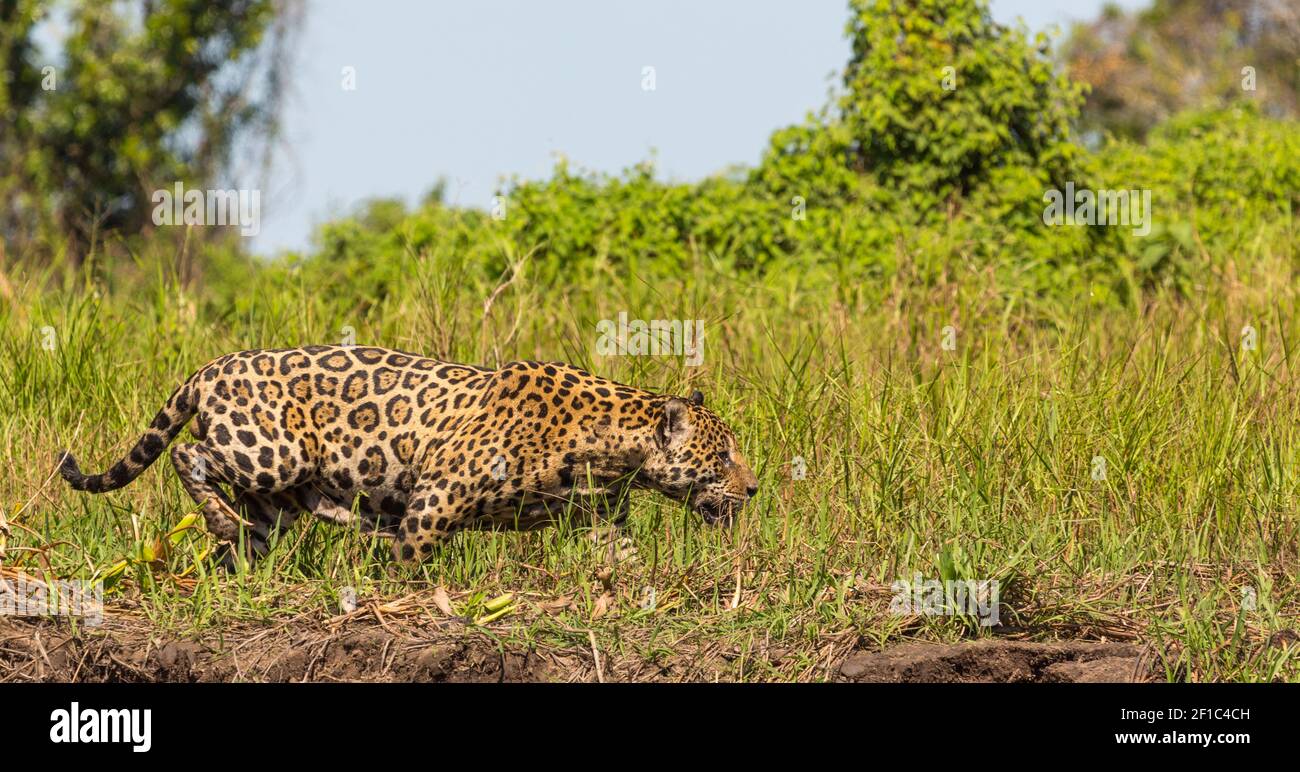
47	651
994	661
131	650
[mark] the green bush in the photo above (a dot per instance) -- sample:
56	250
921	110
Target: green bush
898	172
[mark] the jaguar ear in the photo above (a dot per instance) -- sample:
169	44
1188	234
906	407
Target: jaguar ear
675	424
697	398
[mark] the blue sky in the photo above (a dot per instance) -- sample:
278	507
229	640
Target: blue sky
477	91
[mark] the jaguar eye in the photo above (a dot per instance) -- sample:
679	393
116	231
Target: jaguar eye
724	456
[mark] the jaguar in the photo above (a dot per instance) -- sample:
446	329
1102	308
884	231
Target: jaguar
414	449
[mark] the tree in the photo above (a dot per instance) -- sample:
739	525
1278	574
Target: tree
1143	67
937	97
141	94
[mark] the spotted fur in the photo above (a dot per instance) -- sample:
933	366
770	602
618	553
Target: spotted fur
416	449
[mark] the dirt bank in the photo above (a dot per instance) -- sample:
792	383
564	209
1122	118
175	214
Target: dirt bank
993	661
127	649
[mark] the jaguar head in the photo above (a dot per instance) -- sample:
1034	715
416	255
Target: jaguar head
695	459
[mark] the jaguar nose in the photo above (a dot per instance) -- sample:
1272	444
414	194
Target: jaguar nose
751	490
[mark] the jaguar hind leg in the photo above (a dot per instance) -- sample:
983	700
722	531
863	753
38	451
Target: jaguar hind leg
201	473
264	514
268	513
324	507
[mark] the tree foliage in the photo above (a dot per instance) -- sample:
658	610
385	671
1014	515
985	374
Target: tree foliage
139	95
937	97
898	174
1144	67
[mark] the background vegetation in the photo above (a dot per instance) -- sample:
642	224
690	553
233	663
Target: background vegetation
826	275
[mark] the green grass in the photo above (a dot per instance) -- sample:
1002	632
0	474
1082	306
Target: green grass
974	463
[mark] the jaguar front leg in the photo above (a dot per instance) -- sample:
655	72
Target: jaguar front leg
608	519
430	520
